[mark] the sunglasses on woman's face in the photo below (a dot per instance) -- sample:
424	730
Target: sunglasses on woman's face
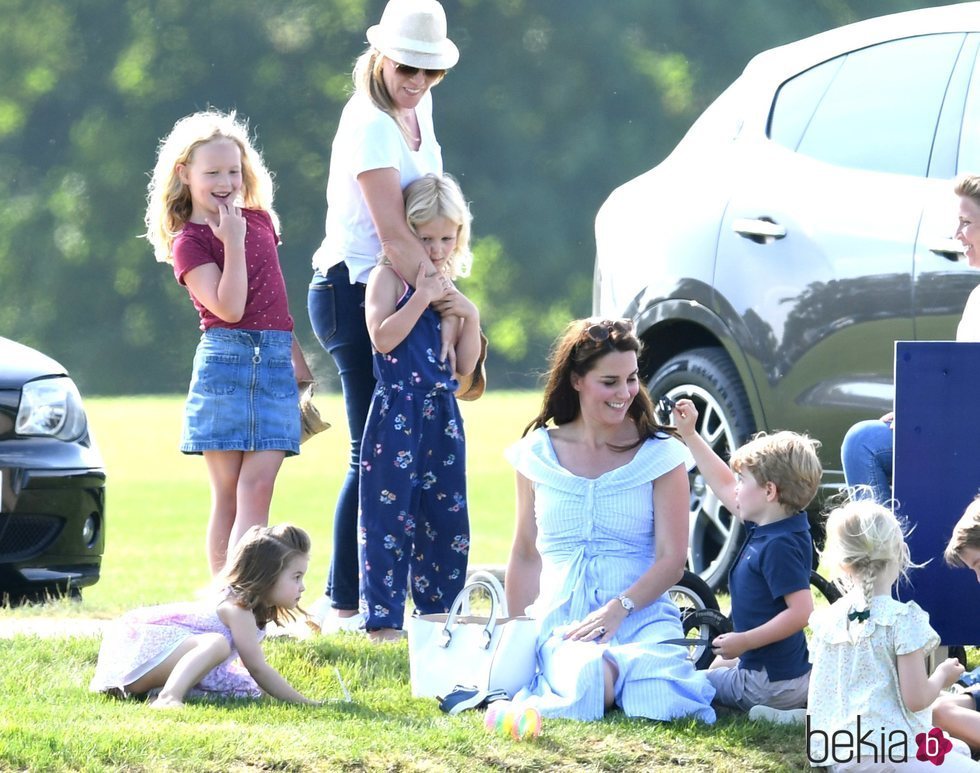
601	331
410	72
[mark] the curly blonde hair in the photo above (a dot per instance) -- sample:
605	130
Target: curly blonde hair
255	565
168	200
864	538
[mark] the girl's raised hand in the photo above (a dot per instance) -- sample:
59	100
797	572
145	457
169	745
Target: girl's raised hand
230	228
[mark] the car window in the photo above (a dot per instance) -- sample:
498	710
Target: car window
796	101
968	159
873	109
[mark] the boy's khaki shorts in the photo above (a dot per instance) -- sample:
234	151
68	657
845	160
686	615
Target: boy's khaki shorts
740	688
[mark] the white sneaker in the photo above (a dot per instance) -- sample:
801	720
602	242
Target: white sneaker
337	624
323	619
777	716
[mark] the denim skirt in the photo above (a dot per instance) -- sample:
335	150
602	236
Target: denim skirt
243	394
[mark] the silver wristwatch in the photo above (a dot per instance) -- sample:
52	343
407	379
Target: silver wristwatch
627	603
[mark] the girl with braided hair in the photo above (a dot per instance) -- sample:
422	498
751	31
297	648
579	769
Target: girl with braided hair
869	652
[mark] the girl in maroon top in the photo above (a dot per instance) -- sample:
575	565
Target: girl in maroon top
210	214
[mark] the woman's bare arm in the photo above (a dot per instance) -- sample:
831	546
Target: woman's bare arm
522	581
382	192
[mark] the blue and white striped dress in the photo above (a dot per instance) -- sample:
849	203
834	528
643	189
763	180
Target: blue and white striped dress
595	538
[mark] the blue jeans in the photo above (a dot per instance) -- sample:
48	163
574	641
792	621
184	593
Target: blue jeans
336	309
866	455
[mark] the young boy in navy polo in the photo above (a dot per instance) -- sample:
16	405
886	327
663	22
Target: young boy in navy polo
772	478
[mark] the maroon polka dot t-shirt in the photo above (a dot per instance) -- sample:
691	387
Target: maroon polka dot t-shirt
266	306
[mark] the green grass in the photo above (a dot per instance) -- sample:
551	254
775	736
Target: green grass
157	509
158	498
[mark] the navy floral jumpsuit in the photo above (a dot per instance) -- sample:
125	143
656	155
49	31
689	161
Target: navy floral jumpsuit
413	522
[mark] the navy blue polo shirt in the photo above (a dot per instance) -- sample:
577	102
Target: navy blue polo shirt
774	561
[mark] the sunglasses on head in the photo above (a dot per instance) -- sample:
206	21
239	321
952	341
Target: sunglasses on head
601	331
410	72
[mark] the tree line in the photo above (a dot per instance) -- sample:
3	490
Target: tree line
554	103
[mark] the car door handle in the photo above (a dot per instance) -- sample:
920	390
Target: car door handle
760	230
951	249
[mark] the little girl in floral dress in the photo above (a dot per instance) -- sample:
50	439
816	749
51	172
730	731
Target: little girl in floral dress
193	648
869	681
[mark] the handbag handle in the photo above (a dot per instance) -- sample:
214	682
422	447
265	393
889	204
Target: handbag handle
482	575
454	610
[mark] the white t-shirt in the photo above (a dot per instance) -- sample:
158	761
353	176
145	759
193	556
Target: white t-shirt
969	327
368	138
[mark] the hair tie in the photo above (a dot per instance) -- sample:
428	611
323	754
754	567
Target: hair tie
859	614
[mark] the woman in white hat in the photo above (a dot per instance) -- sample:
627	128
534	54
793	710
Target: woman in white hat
385	140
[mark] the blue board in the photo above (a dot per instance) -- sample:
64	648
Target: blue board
937	474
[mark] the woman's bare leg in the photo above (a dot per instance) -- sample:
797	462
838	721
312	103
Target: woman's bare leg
610	674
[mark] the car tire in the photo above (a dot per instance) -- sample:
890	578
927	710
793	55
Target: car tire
708	377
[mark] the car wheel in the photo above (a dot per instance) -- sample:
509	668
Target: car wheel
708	377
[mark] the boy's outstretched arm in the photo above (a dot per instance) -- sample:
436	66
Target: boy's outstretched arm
715	470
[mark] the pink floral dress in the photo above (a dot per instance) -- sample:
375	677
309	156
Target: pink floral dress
143	638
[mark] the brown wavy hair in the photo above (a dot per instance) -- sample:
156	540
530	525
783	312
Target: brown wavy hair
578	351
966	534
255	565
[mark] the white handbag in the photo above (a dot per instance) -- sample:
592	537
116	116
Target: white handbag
497	652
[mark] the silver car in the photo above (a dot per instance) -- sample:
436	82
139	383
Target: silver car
802	225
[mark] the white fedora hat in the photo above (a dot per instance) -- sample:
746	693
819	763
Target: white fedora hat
413	32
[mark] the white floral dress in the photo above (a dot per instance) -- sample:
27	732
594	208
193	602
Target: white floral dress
855	674
143	638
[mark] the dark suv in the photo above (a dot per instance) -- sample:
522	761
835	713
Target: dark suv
802	225
52	481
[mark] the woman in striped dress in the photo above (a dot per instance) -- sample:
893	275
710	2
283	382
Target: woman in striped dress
601	534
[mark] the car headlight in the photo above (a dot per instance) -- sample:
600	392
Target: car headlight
51	407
